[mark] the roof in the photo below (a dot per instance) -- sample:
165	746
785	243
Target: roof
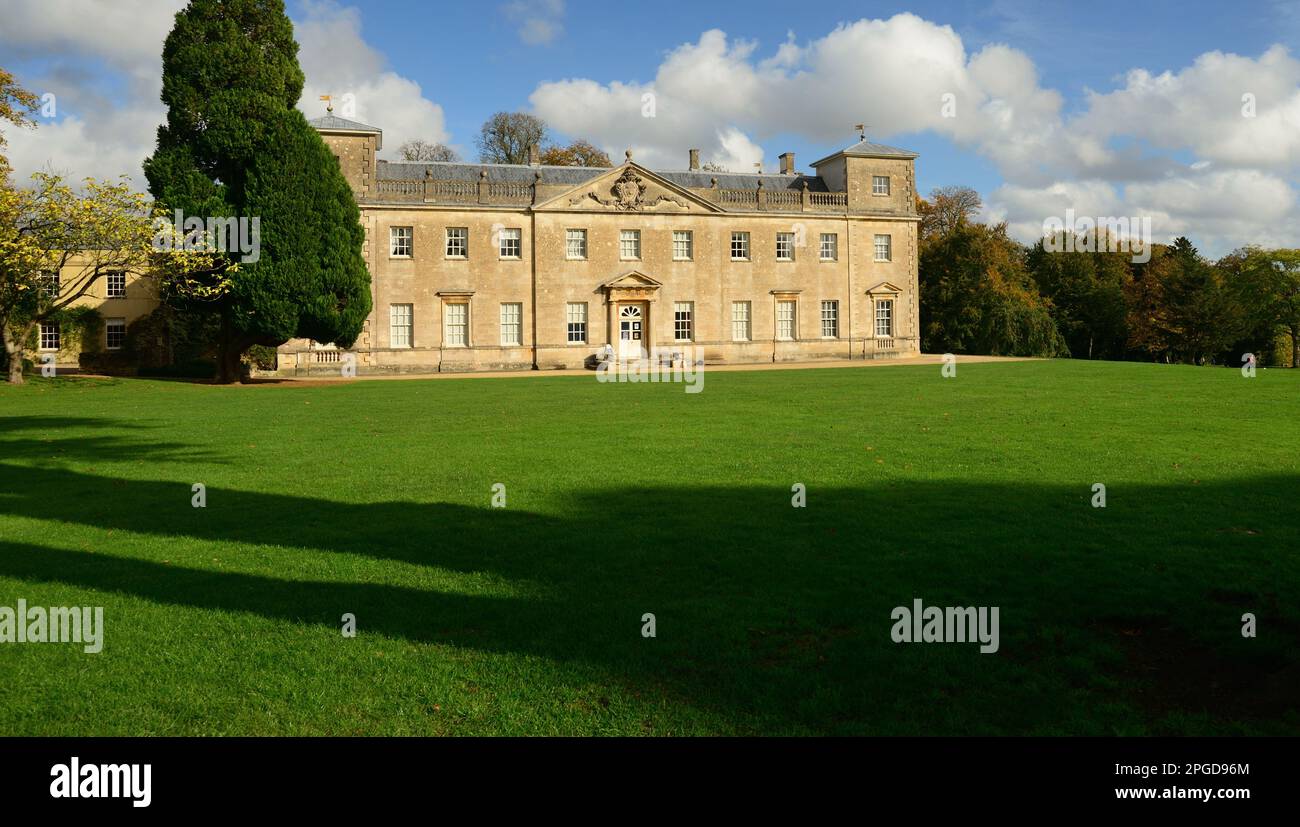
512	173
333	122
743	180
869	149
573	176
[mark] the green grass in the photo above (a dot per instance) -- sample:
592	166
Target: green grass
373	498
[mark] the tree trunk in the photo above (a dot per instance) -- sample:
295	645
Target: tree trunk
14	350
232	347
229	367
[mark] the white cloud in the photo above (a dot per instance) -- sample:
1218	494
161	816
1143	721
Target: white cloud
1206	108
894	73
736	152
1119	156
130	38
106	147
1174	145
1241	187
107	81
1218	209
1026	208
339	62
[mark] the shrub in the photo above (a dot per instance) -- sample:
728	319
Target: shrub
261	357
1280	357
193	369
108	362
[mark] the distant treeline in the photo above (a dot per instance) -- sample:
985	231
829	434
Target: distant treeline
983	292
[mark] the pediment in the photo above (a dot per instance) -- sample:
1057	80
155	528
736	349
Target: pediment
629	188
632	279
884	287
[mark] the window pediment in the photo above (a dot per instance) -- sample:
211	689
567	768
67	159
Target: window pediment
884	288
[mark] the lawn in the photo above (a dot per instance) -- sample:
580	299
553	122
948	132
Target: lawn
374	498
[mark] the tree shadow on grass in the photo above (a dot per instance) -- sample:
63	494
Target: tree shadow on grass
774	617
43	440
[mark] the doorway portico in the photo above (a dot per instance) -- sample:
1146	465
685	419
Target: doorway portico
629	302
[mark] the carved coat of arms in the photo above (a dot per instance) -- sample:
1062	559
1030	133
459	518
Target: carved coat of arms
628	194
629	190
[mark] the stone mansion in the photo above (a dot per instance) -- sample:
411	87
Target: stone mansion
504	266
524	266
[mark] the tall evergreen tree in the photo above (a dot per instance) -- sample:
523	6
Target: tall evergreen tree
235	146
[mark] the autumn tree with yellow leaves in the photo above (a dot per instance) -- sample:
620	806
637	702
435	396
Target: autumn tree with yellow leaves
57	242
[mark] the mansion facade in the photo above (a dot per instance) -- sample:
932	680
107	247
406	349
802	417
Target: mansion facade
524	266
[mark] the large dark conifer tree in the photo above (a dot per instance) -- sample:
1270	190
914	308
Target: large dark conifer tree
235	146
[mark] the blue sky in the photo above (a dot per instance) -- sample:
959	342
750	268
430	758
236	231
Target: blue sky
480	65
1103	107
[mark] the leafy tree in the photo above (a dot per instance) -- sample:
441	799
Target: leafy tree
1267	284
1181	307
577	154
506	137
1204	315
56	244
17	106
1150	330
978	297
946	208
235	146
1086	286
713	166
419	150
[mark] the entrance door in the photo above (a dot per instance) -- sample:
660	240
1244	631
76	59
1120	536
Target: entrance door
631	332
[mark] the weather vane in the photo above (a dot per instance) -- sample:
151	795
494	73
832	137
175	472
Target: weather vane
862	130
329	102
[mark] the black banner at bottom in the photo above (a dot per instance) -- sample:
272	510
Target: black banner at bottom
139	776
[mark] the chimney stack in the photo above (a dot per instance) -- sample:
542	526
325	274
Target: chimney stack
787	163
695	160
534	155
